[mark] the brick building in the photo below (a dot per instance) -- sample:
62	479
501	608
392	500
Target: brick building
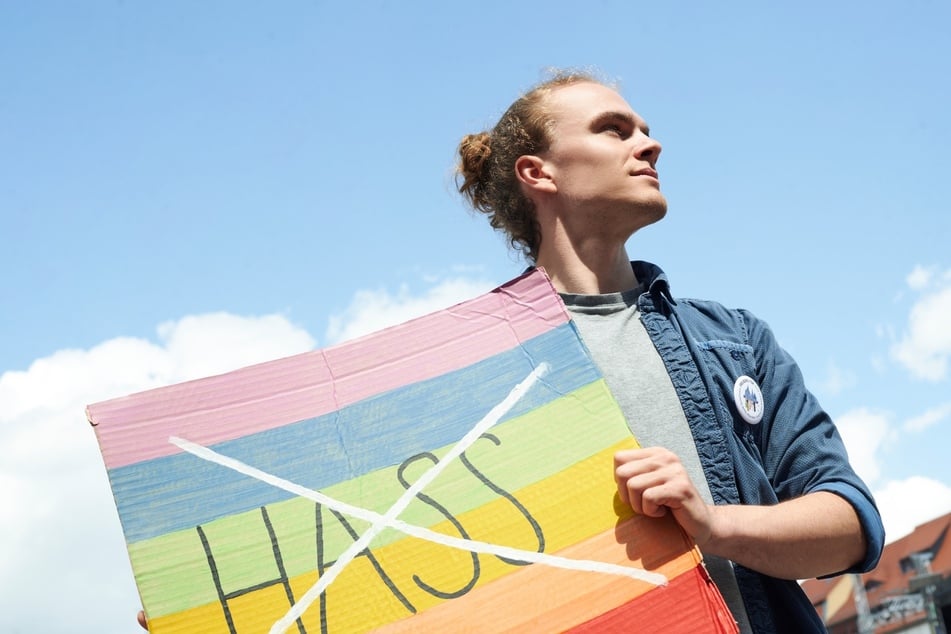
913	574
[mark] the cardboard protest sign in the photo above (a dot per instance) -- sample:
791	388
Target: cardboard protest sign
453	473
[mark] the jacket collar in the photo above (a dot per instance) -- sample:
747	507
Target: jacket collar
649	276
653	278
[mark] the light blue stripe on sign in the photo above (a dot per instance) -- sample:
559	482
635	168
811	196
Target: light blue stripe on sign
182	491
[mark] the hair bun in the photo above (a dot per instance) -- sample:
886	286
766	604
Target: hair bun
474	150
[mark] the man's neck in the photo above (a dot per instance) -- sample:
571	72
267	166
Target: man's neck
595	271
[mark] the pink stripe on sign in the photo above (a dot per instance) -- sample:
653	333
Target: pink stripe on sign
268	395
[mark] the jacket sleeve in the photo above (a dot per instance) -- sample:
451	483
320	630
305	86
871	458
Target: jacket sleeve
801	449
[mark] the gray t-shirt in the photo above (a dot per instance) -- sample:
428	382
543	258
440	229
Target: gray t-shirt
611	328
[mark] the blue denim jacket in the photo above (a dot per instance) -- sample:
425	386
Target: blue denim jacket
794	450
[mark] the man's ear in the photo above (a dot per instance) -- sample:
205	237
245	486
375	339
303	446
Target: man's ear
532	172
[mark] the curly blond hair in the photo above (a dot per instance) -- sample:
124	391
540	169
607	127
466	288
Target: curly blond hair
486	169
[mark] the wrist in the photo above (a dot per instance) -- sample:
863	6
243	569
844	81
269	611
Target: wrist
718	530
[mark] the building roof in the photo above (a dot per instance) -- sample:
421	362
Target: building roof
892	575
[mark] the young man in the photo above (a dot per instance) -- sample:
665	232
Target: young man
736	448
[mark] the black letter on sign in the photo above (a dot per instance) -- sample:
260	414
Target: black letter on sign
445	512
511	498
366	552
282	579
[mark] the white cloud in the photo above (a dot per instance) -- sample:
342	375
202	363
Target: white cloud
929	419
63	566
864	432
370	311
925	346
210	344
62	541
920	277
837	380
904	504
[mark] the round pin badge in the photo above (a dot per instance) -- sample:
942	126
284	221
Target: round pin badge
749	399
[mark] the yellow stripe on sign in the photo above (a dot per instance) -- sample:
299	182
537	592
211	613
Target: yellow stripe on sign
411	574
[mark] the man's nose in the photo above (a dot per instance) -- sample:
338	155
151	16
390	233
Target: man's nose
647	149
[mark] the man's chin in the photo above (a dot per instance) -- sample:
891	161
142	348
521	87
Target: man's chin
653	210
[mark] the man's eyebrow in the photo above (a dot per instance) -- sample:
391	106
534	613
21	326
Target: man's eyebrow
626	117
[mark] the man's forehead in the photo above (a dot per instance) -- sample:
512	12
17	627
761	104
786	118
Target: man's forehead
585	101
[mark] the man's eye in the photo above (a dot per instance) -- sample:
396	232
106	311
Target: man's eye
614	129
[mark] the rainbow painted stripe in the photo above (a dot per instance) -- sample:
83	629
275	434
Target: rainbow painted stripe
449	474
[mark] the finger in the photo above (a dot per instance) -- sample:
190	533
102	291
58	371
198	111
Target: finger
656	501
627	455
623	470
621	482
622	492
632	479
140	617
658	492
636	487
653	498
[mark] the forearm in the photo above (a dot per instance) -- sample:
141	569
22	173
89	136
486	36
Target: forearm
810	536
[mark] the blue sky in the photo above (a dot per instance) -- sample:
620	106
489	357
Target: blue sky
186	188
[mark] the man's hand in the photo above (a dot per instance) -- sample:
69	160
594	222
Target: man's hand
653	481
141	618
816	534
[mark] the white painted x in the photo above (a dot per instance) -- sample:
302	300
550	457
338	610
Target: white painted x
389	519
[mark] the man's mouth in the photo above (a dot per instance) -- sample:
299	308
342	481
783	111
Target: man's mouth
647	171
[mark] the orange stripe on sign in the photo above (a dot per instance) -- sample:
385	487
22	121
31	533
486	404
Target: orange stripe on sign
539	598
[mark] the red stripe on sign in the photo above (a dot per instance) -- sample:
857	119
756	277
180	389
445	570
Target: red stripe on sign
689	604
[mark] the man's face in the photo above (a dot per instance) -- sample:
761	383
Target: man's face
602	161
